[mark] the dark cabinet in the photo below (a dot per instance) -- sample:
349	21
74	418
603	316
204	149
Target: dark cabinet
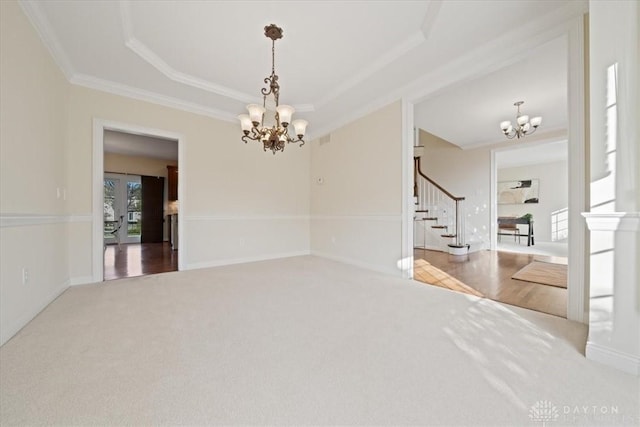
172	182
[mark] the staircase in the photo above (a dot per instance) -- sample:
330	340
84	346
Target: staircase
439	220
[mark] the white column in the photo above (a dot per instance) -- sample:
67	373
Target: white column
614	220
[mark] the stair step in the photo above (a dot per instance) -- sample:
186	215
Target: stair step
431	218
448	235
439	226
422	210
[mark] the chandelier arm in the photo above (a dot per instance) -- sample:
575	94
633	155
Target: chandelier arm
251	137
269	89
294	140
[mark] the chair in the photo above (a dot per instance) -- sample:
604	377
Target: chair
116	231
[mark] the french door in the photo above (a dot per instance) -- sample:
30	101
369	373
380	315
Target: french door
122	208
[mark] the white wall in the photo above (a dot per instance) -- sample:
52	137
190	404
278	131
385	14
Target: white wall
554	195
32	173
357	207
614	318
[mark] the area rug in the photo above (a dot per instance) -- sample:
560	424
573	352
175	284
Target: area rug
544	273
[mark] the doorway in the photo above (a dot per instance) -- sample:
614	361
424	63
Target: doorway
136	203
122	208
131	209
577	286
543	166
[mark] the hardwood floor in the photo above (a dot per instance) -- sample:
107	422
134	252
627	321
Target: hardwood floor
488	274
138	259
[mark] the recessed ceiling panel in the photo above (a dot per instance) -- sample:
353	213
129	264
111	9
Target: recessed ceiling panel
324	43
336	57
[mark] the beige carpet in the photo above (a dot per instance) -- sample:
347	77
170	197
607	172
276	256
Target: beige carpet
544	273
299	341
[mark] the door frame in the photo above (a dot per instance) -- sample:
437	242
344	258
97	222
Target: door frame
578	125
97	246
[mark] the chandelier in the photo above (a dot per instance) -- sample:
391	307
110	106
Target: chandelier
272	137
523	127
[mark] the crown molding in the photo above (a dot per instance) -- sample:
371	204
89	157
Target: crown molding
413	41
507	49
433	9
148	96
42	26
40	23
549	135
153	59
493	55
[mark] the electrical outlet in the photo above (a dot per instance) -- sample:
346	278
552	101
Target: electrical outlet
25	275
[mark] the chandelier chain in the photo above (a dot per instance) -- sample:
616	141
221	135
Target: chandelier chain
273	57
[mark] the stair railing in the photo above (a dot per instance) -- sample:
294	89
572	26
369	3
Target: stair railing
437	202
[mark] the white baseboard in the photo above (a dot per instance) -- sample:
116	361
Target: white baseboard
221	262
623	361
83	280
9	329
433	248
358	263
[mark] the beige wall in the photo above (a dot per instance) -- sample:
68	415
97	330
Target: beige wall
136	165
239	203
228	185
464	173
356	210
32	169
554	195
33	105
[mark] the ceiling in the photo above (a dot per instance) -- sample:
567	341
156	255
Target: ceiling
535	154
470	113
337	60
